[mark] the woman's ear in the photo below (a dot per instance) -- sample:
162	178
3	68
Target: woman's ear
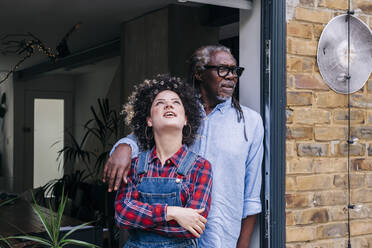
149	122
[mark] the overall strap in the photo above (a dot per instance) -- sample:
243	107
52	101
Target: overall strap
143	162
186	163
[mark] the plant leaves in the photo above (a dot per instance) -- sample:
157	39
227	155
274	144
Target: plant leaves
5	240
74	229
33	238
8	201
42	219
76	242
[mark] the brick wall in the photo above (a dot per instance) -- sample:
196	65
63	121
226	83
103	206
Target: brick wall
316	166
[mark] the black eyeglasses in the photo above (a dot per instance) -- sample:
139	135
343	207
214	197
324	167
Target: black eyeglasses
224	70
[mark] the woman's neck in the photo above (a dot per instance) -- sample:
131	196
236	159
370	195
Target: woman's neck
167	144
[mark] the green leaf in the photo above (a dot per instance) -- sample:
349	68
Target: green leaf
8	201
52	225
33	238
76	242
42	219
75	229
5	240
60	211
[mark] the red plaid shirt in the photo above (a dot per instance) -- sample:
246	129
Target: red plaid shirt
196	193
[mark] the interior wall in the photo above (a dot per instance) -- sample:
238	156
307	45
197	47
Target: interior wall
185	37
250	82
161	42
144	49
105	83
88	88
7	137
249	56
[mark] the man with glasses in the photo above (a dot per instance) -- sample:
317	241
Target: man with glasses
230	137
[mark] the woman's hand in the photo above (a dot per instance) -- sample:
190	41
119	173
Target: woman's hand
188	218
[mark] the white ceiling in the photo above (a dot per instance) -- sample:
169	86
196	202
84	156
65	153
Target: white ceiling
49	20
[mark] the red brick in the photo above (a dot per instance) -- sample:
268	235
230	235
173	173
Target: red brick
300	64
299	200
308	81
312	15
299	98
334	4
311	116
364	5
312	150
297	29
299	133
298	46
333	230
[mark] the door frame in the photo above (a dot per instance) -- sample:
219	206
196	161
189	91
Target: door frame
273	107
30	96
47	83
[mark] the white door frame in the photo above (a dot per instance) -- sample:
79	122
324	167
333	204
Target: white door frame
53	86
30	97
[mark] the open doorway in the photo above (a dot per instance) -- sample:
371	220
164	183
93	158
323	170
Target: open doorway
47	115
246	35
48	139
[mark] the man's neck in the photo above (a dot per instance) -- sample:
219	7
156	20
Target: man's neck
208	103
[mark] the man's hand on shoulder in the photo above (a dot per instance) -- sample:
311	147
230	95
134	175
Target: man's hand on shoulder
117	167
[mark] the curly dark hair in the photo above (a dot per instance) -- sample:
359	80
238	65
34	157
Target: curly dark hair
139	105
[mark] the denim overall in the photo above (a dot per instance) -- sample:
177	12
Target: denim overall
163	190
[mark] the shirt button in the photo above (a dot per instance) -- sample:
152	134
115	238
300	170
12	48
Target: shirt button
178	180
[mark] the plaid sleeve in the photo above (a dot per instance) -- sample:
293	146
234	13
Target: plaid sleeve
200	198
131	213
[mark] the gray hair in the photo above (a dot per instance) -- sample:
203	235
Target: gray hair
201	57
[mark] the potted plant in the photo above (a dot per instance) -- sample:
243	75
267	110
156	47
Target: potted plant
52	226
102	130
89	196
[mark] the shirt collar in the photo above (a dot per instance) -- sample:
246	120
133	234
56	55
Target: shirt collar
175	159
221	106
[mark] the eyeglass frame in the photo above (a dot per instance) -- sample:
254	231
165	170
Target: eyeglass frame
232	69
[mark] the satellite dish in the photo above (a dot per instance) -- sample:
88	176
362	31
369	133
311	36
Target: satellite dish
332	56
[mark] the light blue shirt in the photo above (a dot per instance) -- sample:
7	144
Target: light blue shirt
236	165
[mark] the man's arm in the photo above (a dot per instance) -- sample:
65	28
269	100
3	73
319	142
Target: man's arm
118	164
252	185
246	231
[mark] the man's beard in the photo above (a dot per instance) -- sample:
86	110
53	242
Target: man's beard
224	98
213	96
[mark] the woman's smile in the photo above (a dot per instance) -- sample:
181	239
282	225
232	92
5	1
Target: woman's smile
170	114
